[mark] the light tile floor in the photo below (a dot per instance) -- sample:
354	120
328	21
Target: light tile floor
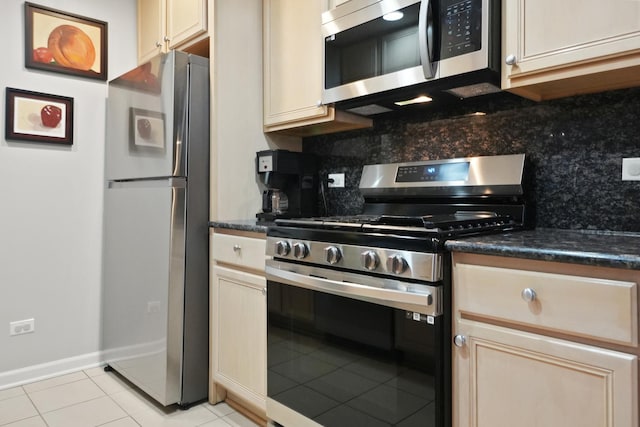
94	398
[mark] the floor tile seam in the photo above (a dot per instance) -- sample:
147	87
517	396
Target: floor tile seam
123	387
103	372
29	393
24	392
55	385
129	414
117	419
210	409
26	418
42	414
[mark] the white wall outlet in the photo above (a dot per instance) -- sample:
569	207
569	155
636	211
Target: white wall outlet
631	169
338	180
20	327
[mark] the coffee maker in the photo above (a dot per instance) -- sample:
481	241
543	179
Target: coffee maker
292	184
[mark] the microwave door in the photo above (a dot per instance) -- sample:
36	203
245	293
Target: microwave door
426	39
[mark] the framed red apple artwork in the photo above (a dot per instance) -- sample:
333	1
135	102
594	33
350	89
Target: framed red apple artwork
38	117
65	43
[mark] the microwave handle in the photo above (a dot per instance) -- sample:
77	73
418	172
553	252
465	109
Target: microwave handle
425	38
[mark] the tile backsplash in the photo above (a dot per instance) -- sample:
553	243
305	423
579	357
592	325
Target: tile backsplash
574	148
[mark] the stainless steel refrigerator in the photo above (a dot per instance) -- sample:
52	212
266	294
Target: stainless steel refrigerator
156	207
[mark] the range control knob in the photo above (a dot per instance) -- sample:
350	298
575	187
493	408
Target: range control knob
396	264
282	248
332	254
300	250
370	260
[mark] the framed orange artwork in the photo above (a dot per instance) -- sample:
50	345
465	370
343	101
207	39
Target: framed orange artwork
64	43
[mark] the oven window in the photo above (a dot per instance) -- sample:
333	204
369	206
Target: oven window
345	362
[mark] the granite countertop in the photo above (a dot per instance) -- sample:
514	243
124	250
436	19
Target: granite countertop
242	225
599	248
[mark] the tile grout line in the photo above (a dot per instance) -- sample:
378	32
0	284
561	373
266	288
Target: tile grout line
34	407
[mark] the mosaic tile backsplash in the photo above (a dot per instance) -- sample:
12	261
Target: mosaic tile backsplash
574	149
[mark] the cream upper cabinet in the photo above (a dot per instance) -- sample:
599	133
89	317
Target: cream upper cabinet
334	3
543	344
169	24
293	73
238	315
559	48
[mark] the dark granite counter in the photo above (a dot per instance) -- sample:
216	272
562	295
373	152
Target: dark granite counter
242	225
607	249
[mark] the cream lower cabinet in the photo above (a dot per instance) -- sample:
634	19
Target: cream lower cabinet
507	378
560	48
238	313
524	353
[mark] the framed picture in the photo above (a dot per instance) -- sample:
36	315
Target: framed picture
64	43
146	129
38	117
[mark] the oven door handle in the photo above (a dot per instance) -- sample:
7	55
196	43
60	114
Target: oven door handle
425	302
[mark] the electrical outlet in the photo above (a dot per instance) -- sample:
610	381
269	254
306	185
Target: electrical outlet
20	327
338	180
631	169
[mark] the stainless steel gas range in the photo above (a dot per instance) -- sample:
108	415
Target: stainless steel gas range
359	307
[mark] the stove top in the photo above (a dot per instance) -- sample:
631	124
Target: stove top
461	222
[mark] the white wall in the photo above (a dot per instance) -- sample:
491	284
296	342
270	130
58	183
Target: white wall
51	206
237	110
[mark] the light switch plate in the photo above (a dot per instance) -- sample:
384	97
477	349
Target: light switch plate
631	169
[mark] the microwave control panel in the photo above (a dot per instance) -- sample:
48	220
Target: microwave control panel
461	30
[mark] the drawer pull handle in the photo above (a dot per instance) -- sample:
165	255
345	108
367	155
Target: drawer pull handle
528	294
236	248
459	340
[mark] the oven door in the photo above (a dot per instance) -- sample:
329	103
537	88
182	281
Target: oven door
348	349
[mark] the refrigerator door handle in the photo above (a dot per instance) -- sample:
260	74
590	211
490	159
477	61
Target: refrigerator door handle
179	167
177	182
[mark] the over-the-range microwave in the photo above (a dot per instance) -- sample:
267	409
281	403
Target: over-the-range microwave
381	52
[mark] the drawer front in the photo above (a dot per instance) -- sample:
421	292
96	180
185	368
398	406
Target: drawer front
242	251
589	307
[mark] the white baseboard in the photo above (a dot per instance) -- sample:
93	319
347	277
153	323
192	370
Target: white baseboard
47	370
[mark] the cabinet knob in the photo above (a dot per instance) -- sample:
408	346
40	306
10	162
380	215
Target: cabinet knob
236	248
528	294
319	103
166	39
510	59
158	44
264	291
459	340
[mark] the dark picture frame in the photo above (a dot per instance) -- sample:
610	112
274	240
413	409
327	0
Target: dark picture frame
38	117
146	130
65	43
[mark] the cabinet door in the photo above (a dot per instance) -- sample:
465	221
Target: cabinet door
151	24
239	329
185	19
506	378
567	39
293	60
